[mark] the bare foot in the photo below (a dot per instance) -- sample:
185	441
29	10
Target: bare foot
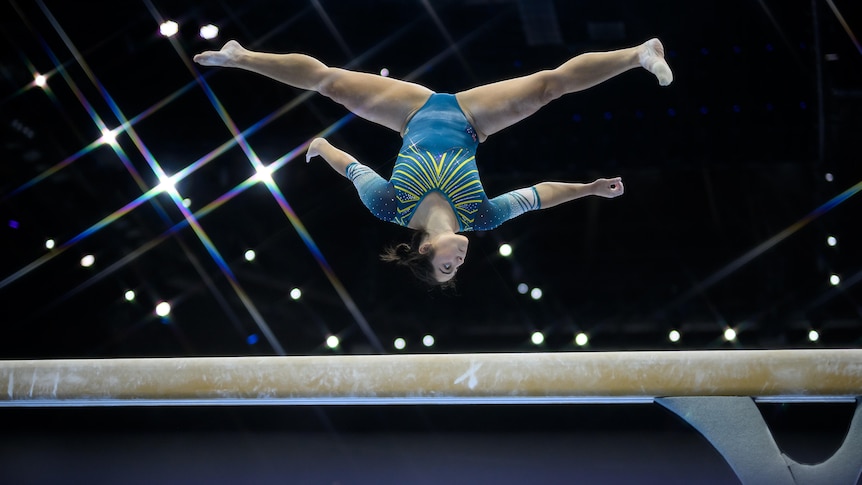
226	57
651	57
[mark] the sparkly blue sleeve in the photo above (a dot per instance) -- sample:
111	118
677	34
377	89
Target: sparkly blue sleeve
506	207
377	194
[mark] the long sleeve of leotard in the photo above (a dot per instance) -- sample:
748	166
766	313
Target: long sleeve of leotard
376	193
506	207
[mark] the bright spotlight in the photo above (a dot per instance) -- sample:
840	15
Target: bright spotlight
263	174
332	341
428	340
581	339
250	255
834	279
523	288
49	244
537	338
169	28
296	293
88	260
108	137
673	336
400	343
813	335
209	31
130	295
505	250
536	293
730	335
40	80
168	184
832	241
163	309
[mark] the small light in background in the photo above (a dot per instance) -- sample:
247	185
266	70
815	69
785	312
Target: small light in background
163	309
40	80
428	340
399	343
250	255
814	335
130	295
296	293
169	28
252	339
537	338
49	244
13	224
187	202
505	250
88	260
832	241
523	288
581	339
384	72
730	335
332	341
536	293
829	177
209	31
674	336
834	279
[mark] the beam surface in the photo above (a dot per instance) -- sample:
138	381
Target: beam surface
779	375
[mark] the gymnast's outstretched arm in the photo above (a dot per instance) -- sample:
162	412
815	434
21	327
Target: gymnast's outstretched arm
556	193
339	160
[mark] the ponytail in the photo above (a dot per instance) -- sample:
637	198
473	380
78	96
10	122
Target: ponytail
404	254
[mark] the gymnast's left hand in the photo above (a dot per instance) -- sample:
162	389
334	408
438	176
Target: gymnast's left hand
608	188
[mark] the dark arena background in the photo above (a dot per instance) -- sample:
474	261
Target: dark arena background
133	224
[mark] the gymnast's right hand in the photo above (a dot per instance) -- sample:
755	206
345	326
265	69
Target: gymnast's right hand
314	148
226	57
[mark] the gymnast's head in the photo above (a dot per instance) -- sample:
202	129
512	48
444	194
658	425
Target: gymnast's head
434	260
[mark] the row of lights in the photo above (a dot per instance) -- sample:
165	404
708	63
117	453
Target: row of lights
170	28
581	339
399	343
536	293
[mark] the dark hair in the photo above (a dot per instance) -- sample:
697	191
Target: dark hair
419	264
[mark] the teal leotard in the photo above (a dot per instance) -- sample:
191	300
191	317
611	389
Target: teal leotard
438	154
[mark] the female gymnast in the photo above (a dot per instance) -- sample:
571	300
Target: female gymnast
435	187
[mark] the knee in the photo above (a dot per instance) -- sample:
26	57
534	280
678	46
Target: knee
329	83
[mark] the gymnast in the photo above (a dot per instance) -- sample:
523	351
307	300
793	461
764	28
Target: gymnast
435	188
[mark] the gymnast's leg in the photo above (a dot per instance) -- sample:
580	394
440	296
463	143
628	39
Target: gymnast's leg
496	106
385	101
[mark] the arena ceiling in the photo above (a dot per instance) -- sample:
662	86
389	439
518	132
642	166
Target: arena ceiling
724	223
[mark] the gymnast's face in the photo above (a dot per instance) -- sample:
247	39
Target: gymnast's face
450	250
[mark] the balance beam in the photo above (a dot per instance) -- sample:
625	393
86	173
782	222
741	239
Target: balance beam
563	377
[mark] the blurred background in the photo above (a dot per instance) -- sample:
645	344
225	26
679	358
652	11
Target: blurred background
135	219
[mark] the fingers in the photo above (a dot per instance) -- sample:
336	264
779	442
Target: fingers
613	187
208	58
221	57
313	149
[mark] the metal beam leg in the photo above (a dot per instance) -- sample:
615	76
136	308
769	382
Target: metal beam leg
737	430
